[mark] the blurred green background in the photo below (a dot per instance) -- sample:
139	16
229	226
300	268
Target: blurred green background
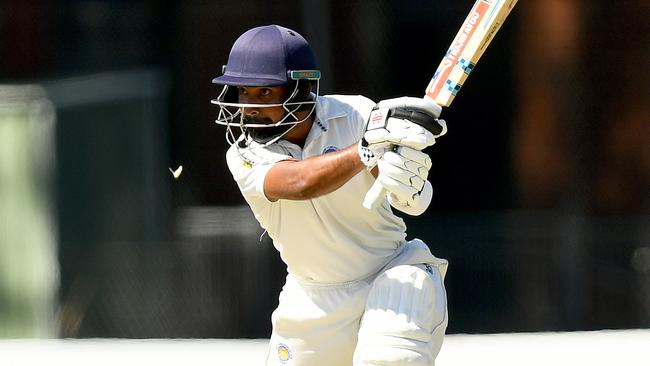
541	185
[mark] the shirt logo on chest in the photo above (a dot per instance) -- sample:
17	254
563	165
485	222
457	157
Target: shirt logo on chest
330	149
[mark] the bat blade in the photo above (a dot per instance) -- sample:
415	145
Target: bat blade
474	36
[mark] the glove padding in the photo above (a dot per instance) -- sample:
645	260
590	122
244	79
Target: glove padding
403	174
400	121
369	154
419	206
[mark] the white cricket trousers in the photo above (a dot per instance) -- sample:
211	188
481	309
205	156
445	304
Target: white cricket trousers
396	317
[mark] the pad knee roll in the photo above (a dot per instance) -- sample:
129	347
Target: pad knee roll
404	319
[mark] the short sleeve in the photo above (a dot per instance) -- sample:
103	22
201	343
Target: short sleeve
363	108
249	167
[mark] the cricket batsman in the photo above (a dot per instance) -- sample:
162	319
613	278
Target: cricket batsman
357	292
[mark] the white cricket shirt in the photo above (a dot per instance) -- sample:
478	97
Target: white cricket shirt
331	239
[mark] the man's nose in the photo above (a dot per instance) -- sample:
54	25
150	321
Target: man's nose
251	112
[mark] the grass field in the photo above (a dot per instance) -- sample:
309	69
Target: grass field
620	347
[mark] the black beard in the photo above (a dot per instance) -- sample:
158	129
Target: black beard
263	135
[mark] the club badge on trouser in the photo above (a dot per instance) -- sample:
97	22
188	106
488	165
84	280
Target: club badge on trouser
283	352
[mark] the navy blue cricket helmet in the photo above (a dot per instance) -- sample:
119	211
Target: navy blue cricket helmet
269	55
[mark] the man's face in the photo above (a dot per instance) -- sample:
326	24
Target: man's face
263	95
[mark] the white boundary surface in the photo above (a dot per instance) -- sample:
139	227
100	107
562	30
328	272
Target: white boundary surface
620	347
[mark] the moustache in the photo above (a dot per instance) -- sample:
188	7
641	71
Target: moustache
258	121
264	134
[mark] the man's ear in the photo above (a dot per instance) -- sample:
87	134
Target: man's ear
304	90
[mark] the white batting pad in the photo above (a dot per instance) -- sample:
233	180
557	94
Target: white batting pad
405	318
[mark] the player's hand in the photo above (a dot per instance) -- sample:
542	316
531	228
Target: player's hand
369	154
403	173
408	121
400	121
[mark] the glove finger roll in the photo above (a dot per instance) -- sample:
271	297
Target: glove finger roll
402	132
401	175
419	204
407	133
404	193
406	164
415	155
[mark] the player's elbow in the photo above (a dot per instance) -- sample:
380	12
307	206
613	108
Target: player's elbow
299	187
295	182
308	187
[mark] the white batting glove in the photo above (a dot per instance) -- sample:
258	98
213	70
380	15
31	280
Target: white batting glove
419	205
369	154
400	121
403	174
408	121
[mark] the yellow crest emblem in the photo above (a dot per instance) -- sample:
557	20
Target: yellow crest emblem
284	353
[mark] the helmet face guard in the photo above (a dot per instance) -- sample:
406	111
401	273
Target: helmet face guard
269	55
231	112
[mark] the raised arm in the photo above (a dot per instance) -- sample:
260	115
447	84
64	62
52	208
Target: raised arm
312	177
319	175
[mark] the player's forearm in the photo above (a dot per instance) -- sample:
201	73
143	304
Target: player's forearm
315	176
328	172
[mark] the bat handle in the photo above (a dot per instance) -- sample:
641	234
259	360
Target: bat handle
374	196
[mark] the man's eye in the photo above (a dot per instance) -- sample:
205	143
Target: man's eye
265	92
242	90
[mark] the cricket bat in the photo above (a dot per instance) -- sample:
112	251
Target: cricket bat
474	36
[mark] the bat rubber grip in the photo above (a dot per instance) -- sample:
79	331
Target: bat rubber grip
374	196
422	119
